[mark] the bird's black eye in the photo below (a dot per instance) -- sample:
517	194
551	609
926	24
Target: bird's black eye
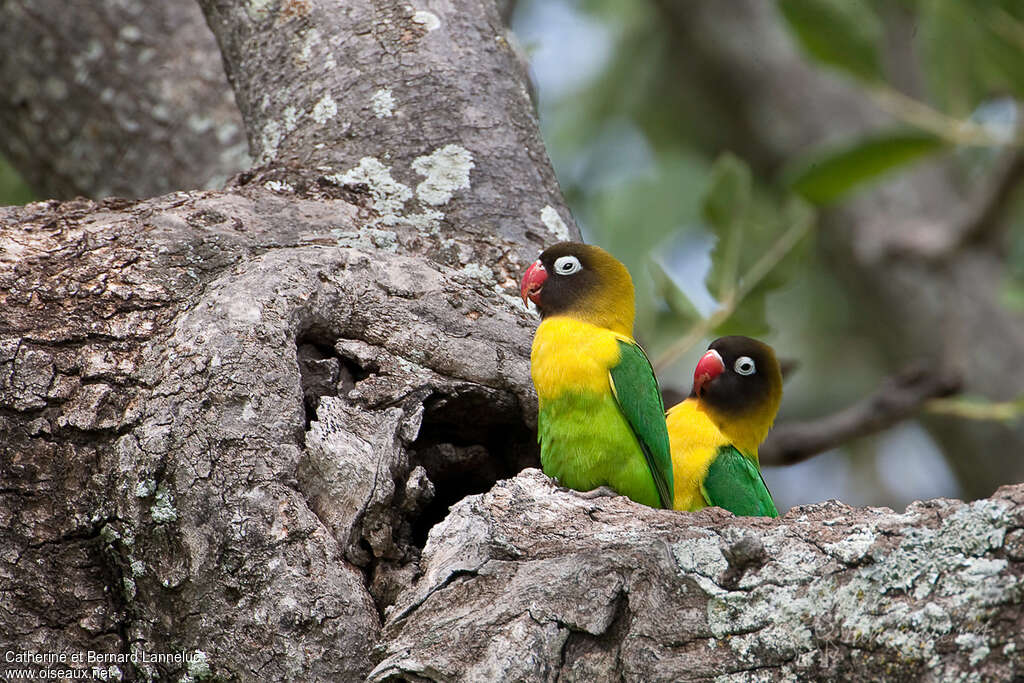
744	365
567	265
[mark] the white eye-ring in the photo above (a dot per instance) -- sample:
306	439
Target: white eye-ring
744	365
567	265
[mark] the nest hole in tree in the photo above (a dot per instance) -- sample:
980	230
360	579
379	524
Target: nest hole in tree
467	442
470	436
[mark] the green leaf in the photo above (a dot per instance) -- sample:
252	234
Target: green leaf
728	194
828	173
1003	50
768	242
633	217
678	302
13	190
725	208
841	33
971	50
750	318
799	216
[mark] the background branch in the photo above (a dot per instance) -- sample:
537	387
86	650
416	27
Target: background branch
900	397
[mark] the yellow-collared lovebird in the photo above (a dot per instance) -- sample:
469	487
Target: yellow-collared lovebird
601	419
737	387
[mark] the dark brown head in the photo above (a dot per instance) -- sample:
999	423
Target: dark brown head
739	377
584	282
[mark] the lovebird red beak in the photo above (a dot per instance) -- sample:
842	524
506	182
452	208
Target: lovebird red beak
533	282
709	367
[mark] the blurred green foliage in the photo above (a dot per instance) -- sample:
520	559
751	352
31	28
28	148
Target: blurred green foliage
642	163
13	190
721	244
971	50
841	33
1013	289
826	175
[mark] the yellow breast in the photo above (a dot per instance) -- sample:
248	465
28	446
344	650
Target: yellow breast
571	355
694	440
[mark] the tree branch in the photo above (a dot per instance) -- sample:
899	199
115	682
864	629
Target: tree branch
159	435
984	213
937	238
900	397
531	583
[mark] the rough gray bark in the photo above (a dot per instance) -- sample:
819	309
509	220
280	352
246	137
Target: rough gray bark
115	98
236	414
229	420
348	95
156	435
923	255
530	583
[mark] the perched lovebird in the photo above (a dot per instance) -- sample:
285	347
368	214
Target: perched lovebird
601	420
737	387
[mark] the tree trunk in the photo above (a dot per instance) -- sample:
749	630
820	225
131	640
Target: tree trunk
162	362
229	421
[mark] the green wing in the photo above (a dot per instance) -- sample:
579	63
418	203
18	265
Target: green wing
734	483
636	391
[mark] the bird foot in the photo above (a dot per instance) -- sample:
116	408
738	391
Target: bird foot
599	492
